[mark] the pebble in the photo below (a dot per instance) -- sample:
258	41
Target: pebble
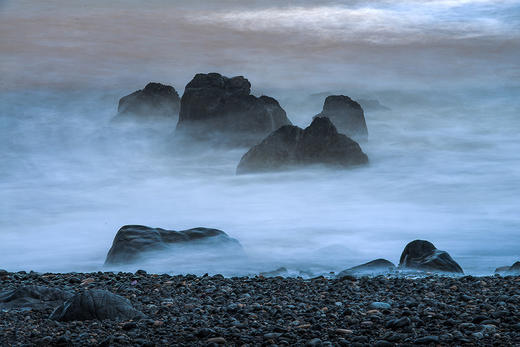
380	306
213	310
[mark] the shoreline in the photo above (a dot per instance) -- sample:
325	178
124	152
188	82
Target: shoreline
214	310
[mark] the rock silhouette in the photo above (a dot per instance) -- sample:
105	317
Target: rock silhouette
290	146
347	115
218	108
155	101
422	255
132	241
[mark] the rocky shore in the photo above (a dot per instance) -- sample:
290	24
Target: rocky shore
213	310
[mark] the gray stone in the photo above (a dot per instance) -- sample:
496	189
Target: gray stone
95	304
422	255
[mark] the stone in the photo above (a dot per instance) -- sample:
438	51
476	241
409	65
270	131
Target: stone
510	270
155	101
95	304
291	146
32	296
380	305
347	115
132	241
218	108
374	267
422	255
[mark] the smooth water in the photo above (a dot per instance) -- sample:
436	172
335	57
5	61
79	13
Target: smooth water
444	160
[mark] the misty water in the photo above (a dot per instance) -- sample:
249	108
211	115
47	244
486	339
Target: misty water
444	157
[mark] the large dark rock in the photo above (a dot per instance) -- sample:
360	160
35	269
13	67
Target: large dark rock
422	255
509	270
34	297
95	304
378	266
133	241
155	101
346	114
215	107
289	146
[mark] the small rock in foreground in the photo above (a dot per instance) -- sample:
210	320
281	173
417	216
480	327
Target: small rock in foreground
95	304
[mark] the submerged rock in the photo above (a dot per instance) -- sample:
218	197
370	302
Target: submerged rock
374	267
34	297
422	255
319	143
346	114
95	304
155	101
132	241
511	270
215	107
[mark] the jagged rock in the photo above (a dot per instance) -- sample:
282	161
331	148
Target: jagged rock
319	143
513	269
374	267
422	255
155	101
215	107
34	297
132	241
95	304
346	114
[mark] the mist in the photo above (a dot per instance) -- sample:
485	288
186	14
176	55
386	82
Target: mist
444	157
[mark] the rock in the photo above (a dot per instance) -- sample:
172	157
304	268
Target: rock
380	305
34	297
155	101
132	241
374	267
513	269
422	255
219	108
290	146
346	114
95	304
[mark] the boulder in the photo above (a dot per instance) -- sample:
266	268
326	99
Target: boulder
347	115
95	304
33	297
422	255
289	146
133	241
374	267
509	270
215	107
155	101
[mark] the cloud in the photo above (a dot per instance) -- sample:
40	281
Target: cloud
376	22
